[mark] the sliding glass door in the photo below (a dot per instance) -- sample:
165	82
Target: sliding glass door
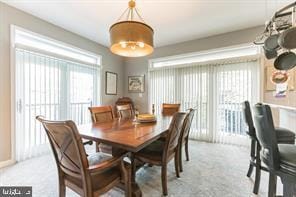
52	87
215	91
233	84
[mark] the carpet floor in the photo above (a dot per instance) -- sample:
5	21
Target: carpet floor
214	170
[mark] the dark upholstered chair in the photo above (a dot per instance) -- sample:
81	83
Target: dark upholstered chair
161	152
284	136
102	114
125	111
88	176
280	159
184	137
170	109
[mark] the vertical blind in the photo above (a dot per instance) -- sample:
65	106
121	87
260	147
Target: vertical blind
55	88
215	91
188	86
233	84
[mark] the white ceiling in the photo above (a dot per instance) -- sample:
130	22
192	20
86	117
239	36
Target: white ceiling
173	21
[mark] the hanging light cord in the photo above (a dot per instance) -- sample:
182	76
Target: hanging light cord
140	17
121	16
130	13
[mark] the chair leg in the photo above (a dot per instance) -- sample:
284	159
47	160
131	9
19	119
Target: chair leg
253	155
177	163
186	150
258	167
126	173
164	179
257	180
180	159
272	185
62	188
250	170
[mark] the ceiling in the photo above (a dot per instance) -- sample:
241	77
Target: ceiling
173	21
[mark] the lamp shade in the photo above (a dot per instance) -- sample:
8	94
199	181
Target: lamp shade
131	39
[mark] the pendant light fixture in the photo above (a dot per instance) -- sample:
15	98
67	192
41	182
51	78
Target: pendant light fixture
131	37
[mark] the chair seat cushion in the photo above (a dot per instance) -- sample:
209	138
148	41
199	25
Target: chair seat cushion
99	180
153	151
285	134
287	157
285	141
97	158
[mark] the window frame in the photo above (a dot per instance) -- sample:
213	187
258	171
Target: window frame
213	63
244	51
14	45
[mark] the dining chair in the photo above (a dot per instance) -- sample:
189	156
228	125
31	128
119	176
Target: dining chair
90	175
160	152
184	137
169	109
280	159
125	111
103	114
284	136
124	101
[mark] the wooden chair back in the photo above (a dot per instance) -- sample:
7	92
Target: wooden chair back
187	125
173	135
124	101
125	111
170	109
67	146
101	114
74	168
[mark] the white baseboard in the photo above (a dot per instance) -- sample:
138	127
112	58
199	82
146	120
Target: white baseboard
6	163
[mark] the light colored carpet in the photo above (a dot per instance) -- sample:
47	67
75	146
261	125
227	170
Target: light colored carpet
214	170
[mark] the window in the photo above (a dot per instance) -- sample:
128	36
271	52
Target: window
59	83
201	57
234	83
188	86
25	39
216	91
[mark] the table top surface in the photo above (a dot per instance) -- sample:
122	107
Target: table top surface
125	133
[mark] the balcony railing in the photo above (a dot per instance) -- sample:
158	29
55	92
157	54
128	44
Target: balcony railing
79	112
231	118
229	115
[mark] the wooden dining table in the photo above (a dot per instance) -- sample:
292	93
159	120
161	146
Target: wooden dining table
128	135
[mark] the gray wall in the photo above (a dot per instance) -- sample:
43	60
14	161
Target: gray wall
124	68
139	66
10	15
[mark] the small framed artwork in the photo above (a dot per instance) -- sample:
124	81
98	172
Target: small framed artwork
136	84
271	85
111	83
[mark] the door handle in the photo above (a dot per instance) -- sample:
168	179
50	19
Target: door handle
19	106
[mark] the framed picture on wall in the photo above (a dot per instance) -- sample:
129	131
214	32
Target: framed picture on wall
136	84
111	83
271	86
